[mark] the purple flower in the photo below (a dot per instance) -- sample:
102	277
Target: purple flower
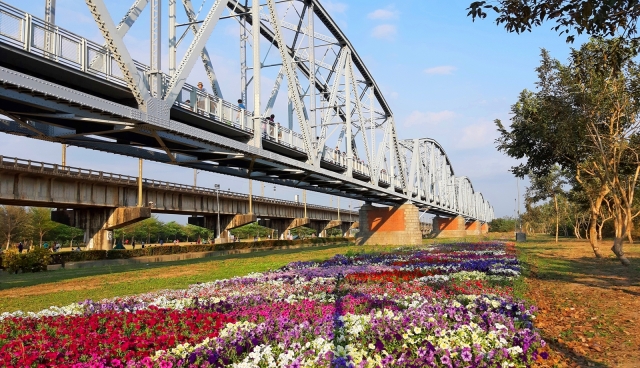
466	355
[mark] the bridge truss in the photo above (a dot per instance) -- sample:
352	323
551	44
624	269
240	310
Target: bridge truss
339	136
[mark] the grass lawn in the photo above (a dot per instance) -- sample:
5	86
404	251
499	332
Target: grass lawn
588	307
36	291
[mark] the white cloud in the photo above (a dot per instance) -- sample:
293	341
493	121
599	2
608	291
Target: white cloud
384	31
334	6
477	136
444	69
428	118
384	14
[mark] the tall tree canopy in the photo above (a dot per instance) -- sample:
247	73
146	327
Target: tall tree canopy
585	117
600	18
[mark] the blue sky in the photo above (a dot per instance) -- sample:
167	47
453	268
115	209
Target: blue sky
444	76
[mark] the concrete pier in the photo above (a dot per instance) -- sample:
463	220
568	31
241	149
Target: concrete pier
398	225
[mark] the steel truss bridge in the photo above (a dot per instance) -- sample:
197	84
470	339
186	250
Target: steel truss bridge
61	87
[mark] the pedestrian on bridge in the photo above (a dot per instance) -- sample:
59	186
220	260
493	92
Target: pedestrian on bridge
201	97
242	108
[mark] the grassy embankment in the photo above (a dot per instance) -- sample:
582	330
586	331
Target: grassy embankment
36	291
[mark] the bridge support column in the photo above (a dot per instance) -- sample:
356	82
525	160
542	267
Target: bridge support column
347	227
473	228
327	226
227	223
449	227
98	223
397	225
284	226
484	229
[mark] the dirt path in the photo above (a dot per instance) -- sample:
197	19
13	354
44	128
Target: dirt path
589	308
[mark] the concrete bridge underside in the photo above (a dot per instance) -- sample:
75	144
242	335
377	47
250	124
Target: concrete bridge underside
100	202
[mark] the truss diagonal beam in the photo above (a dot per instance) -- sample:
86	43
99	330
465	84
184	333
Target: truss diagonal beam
340	66
204	54
354	87
123	27
274	93
121	55
292	80
196	46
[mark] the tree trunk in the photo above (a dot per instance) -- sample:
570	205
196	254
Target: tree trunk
593	235
600	231
555	200
618	241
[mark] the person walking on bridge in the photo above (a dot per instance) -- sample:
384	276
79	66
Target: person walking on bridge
242	108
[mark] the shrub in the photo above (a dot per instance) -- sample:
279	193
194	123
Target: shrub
94	255
33	261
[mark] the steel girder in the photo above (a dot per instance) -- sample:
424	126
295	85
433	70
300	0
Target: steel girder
431	178
372	164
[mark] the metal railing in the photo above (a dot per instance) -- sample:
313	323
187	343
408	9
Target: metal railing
38	167
34	35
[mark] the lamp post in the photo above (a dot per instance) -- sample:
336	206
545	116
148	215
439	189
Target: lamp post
195	177
217	187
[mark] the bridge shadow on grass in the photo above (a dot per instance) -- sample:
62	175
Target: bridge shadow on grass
10	281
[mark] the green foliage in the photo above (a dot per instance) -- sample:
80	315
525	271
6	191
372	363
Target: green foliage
94	255
302	232
601	18
502	225
336	231
41	223
249	231
33	261
14	224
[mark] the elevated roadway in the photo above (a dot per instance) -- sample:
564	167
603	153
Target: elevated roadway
87	192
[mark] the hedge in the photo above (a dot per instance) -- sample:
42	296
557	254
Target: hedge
95	255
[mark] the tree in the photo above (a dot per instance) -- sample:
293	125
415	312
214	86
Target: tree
14	222
584	117
173	230
150	226
41	222
502	225
302	232
547	186
600	18
195	232
65	233
250	230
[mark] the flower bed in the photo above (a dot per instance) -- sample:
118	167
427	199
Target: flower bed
447	306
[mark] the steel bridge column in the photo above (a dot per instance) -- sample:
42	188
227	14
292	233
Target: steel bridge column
257	65
312	66
172	37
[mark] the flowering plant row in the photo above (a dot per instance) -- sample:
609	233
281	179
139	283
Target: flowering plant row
444	306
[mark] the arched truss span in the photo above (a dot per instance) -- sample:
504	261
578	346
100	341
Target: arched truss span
431	179
334	133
